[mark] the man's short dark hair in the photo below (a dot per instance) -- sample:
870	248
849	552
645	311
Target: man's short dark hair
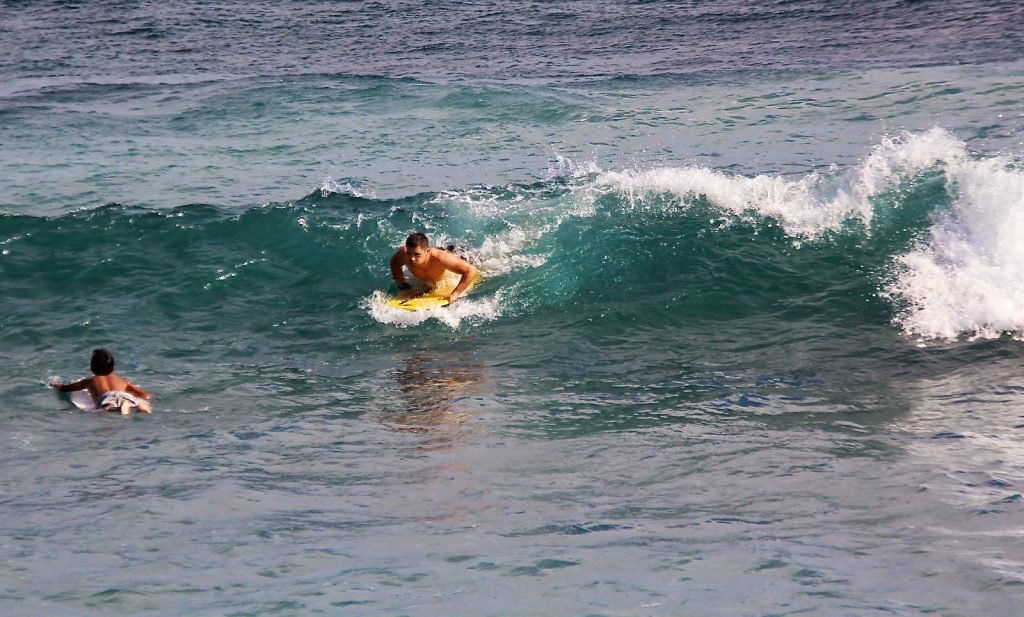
102	362
417	239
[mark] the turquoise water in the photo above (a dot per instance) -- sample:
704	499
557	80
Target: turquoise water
748	342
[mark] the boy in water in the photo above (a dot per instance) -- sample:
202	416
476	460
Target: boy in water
110	392
430	264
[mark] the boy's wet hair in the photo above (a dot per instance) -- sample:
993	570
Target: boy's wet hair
417	239
102	362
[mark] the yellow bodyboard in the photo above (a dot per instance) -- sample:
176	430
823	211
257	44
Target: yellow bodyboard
422	297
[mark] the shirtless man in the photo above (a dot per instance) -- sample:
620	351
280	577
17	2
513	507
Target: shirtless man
430	265
109	391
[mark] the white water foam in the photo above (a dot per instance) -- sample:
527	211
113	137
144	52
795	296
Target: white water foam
789	201
968	277
472	309
807	206
501	253
528	221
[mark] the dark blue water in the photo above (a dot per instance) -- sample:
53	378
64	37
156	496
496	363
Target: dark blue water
748	341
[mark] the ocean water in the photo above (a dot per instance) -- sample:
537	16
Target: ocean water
750	339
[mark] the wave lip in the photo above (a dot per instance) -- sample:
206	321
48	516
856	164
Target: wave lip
792	202
807	206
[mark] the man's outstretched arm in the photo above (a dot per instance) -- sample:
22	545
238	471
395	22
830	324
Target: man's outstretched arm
397	261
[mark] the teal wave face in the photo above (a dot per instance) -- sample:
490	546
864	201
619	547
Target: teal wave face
544	248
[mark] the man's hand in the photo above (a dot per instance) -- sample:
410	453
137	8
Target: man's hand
454	296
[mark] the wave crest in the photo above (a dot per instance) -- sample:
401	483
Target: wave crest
968	277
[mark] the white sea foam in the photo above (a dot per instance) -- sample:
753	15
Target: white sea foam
968	277
528	220
789	201
501	253
484	308
806	206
